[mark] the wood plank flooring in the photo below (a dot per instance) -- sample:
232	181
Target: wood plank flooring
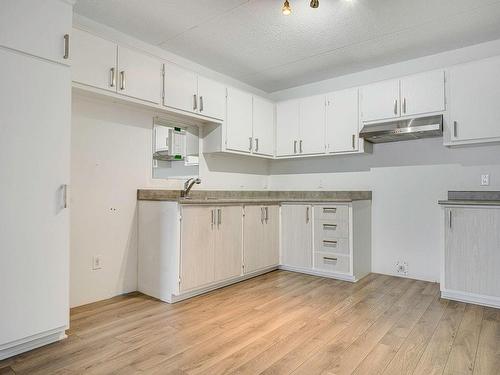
278	323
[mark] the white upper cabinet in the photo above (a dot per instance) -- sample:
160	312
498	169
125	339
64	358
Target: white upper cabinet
287	128
211	98
423	93
342	121
39	37
263	126
380	101
181	88
312	125
94	61
239	121
474	111
189	92
139	75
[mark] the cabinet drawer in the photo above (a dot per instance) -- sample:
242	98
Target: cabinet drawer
331	212
331	263
337	245
331	229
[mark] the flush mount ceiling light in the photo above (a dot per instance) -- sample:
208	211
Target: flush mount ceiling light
287	9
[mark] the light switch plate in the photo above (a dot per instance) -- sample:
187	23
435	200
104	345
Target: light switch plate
96	262
485	180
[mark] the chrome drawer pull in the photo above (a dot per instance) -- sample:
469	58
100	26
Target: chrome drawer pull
327	242
330	226
327	210
332	259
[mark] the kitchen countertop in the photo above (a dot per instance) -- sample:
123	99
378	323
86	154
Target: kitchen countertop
261	196
472	198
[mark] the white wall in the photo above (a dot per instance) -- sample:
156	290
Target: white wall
111	159
407	178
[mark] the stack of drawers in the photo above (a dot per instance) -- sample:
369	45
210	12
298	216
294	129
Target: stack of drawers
332	251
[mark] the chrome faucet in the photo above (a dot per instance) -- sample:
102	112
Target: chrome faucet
188	185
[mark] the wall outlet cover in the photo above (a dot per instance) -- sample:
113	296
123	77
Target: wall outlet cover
485	180
402	268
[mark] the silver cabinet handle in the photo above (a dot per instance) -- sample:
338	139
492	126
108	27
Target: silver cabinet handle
122	80
256	144
262	214
330	226
300	146
195	102
450	219
455	129
213	218
250	143
354	141
65	195
112	77
333	210
330	258
66	47
219	217
396	107
330	242
201	103
267	214
404	105
307	214
294	147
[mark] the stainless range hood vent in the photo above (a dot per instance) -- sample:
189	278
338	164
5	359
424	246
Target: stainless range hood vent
403	130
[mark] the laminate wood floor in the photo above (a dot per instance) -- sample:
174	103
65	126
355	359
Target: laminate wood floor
278	323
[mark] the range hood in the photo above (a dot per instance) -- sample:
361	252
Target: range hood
403	130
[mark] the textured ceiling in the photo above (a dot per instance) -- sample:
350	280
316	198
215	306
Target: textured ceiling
252	41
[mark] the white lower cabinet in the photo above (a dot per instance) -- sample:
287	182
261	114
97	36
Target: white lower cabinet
260	238
471	255
296	236
211	245
327	239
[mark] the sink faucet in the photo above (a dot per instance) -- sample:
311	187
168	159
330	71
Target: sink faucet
188	185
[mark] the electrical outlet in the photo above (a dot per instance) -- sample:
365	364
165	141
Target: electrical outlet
402	268
97	262
485	180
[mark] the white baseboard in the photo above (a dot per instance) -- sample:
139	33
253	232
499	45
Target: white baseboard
32	342
476	299
331	275
209	288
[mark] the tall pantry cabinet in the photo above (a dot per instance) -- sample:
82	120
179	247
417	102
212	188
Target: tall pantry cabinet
35	121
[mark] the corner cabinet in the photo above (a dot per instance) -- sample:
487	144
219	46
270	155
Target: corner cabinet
332	240
471	259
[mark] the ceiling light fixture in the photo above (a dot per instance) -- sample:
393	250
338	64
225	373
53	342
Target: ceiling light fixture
287	10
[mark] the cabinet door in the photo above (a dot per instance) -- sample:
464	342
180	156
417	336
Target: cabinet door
271	256
312	125
228	242
42	29
253	240
263	126
139	75
93	61
474	97
287	128
239	121
380	101
296	235
181	88
35	115
422	93
342	121
212	98
472	240
197	247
